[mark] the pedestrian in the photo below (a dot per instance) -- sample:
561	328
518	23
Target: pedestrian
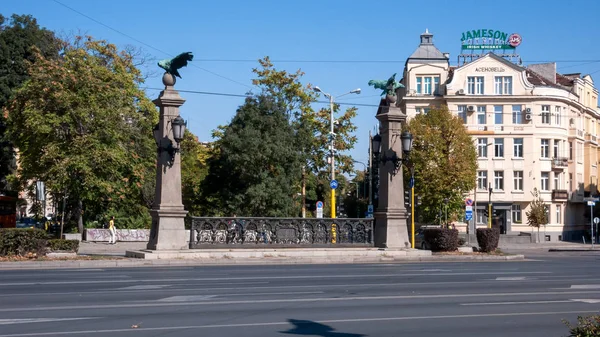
113	233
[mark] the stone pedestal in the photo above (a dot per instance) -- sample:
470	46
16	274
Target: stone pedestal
391	216
168	214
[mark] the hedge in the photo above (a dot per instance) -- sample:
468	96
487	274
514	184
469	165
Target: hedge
487	239
17	241
586	326
63	245
441	239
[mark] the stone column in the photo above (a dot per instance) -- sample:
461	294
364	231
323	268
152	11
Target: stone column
391	214
168	228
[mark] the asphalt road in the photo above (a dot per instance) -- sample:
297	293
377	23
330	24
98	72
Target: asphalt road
414	299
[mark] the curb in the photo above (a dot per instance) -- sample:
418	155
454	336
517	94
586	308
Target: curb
130	263
573	250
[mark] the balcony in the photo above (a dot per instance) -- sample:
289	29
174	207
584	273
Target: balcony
591	138
560	163
560	195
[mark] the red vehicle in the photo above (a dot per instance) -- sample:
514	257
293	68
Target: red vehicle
8	212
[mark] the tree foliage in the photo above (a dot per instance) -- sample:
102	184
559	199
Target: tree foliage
194	169
445	162
537	215
82	125
17	37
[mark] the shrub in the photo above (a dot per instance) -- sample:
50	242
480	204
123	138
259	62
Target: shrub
586	326
64	245
487	239
441	239
461	241
17	241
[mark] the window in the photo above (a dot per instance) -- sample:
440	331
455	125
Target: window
570	150
518	148
516	214
571	182
482	180
517	114
481	117
422	109
482	147
475	85
499	147
503	85
518	180
481	219
498	114
428	85
462	113
499	180
555	148
544	150
556	181
544	181
545	114
558	214
557	111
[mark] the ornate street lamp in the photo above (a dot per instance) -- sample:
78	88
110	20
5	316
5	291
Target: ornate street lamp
178	125
406	139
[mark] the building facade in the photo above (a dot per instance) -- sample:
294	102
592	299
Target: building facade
533	129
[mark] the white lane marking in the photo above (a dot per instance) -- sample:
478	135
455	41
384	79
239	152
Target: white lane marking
590	301
286	323
191	298
40	320
299	277
510	303
515	278
144	287
292	300
586	286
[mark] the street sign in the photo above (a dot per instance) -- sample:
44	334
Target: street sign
596	220
591	203
370	211
469	202
333	184
468	215
319	210
469	208
411	182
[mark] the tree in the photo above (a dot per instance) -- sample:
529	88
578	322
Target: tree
82	124
194	169
445	162
17	37
258	163
537	214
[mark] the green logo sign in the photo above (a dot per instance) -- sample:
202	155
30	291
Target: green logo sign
484	39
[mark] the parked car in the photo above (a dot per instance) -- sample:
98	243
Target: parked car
420	236
28	223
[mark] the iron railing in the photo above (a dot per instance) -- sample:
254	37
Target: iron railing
212	232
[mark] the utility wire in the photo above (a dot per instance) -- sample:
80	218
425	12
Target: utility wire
145	44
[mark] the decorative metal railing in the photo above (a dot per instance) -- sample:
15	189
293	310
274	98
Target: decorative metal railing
279	232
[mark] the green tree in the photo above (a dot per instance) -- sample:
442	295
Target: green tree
537	215
445	162
82	124
17	37
258	163
194	169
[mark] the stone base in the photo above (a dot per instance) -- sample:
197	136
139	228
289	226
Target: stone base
391	230
168	230
330	255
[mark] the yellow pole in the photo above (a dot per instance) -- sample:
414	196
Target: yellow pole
333	203
412	214
489	215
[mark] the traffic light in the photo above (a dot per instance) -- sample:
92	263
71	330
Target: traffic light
407	198
486	213
418	201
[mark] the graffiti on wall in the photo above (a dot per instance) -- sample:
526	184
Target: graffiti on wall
98	235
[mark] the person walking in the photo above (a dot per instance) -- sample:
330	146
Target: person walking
113	232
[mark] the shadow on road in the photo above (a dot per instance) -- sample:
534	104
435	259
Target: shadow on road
310	328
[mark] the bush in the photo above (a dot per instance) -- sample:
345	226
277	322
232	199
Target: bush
487	239
461	241
441	239
17	241
64	245
586	326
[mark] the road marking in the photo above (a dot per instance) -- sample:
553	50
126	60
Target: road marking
289	300
516	278
144	287
509	303
298	277
590	301
286	323
40	320
190	298
585	286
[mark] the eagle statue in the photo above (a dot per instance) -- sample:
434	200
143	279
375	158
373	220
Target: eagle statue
171	66
388	86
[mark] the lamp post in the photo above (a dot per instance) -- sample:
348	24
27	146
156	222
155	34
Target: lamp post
332	140
364	189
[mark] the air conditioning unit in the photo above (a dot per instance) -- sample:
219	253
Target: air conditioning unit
528	116
460	92
528	110
471	108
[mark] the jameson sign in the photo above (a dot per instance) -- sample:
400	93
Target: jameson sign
489	39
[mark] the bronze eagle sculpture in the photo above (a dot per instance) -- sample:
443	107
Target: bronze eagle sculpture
389	87
173	65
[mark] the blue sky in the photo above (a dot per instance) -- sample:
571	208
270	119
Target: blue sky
310	30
